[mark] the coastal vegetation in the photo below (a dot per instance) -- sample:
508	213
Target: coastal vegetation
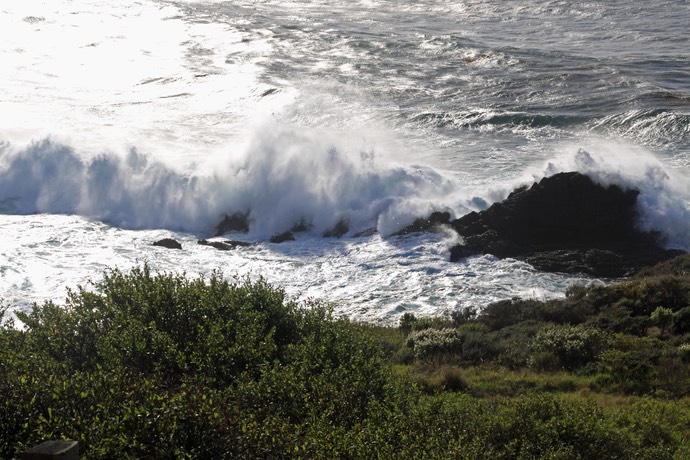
159	365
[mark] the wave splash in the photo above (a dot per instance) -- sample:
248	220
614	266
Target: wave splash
282	177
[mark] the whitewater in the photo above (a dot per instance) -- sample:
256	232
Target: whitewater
124	122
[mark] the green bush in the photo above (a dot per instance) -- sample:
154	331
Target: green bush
570	347
641	296
663	317
546	427
469	344
435	344
681	324
630	364
161	366
684	352
510	312
619	319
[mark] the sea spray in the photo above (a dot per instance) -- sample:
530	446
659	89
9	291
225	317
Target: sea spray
284	177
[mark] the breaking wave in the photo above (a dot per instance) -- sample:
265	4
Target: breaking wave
285	176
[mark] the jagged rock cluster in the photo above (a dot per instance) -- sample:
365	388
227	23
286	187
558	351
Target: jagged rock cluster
564	223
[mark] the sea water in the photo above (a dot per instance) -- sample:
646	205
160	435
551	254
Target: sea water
124	122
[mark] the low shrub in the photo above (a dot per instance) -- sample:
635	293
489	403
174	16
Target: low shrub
161	366
629	366
466	345
568	347
681	324
435	344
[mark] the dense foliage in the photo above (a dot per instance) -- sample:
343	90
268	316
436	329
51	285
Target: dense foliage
147	365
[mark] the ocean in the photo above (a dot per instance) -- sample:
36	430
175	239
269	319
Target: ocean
124	122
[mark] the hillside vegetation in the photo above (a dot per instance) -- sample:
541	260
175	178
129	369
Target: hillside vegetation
146	365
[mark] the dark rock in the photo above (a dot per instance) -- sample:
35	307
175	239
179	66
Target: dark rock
168	243
282	237
300	227
365	233
564	223
435	220
237	222
339	230
224	245
65	450
216	244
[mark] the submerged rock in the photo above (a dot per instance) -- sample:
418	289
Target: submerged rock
168	243
565	223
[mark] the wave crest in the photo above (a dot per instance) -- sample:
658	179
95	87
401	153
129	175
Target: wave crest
283	177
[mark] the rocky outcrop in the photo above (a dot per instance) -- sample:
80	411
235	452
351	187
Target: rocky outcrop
224	245
282	237
340	229
564	223
431	223
237	222
168	243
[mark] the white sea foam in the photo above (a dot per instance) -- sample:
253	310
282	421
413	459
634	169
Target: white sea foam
372	278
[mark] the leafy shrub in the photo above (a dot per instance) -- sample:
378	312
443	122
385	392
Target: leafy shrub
630	364
678	266
466	345
684	352
571	346
509	312
161	366
656	429
576	291
512	343
409	322
545	427
681	324
404	355
641	296
663	317
619	319
435	343
463	315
